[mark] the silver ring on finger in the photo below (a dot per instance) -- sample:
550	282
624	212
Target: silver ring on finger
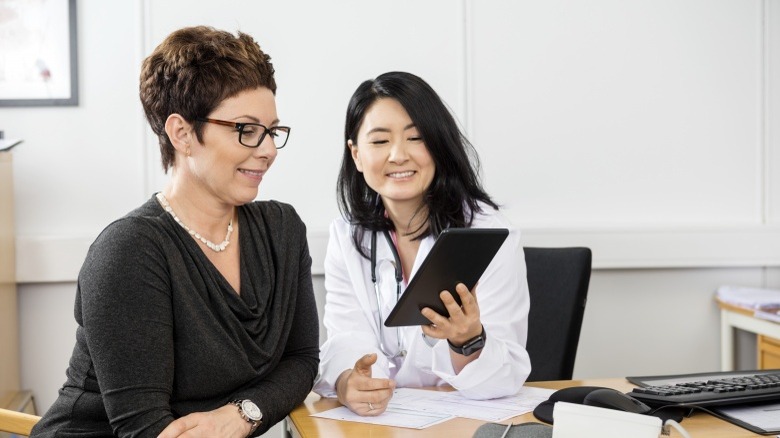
370	406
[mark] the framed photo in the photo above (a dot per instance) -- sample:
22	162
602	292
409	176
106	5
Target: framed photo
38	59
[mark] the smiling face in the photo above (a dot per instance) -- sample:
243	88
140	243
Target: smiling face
221	165
392	155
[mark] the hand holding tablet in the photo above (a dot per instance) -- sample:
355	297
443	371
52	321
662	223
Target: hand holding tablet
460	255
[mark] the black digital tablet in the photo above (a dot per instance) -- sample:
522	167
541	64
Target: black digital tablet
459	255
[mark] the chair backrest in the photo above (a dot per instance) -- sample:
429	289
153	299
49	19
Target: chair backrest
17	422
558	281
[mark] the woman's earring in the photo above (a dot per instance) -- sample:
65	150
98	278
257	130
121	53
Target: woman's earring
188	152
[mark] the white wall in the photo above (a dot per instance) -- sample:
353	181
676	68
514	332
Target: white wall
649	106
646	130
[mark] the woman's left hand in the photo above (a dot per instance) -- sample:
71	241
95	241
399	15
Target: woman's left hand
463	323
222	422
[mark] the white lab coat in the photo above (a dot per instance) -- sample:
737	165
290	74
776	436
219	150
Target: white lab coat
352	321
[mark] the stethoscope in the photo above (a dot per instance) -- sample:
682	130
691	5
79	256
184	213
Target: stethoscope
399	277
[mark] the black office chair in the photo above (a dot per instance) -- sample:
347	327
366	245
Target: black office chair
558	281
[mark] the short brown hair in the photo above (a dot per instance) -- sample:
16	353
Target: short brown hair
193	71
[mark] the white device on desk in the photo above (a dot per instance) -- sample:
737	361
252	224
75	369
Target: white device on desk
7	144
583	421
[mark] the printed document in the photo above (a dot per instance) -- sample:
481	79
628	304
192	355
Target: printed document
393	416
420	408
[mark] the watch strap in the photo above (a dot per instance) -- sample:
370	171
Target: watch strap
471	346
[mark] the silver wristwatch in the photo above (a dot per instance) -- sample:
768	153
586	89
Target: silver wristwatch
249	412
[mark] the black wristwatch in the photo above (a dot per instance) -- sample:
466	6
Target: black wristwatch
249	412
471	346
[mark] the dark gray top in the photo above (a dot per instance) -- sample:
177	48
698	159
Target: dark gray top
163	334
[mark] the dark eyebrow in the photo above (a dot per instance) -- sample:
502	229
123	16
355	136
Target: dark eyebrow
380	129
377	130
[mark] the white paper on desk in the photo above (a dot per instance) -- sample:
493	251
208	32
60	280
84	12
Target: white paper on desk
770	316
8	144
421	408
453	403
749	297
393	416
765	415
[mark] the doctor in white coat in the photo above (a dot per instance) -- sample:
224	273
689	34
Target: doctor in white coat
408	173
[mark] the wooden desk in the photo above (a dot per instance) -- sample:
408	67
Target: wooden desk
304	426
733	317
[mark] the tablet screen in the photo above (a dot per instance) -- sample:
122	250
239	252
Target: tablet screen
459	255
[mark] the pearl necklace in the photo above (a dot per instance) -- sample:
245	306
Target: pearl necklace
213	246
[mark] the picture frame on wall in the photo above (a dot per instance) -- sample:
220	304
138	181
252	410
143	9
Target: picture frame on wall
38	53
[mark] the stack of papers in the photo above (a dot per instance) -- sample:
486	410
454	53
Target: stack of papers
420	408
750	298
768	315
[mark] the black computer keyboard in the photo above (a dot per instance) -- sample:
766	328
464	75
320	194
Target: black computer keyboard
708	389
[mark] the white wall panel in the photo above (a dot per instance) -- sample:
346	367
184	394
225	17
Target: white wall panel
614	112
772	107
79	167
649	322
47	334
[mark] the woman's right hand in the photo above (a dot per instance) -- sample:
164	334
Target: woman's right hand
361	393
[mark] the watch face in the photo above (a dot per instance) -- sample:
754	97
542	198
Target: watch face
473	346
478	342
251	410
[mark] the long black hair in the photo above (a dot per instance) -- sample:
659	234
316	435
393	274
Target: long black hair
455	192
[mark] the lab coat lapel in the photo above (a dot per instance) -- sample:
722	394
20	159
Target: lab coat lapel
425	247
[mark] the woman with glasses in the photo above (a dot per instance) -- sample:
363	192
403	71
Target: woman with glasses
195	311
407	173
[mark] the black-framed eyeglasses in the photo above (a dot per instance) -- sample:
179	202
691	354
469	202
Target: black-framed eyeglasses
252	135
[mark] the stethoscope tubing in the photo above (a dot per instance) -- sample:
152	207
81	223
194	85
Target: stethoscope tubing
398	279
